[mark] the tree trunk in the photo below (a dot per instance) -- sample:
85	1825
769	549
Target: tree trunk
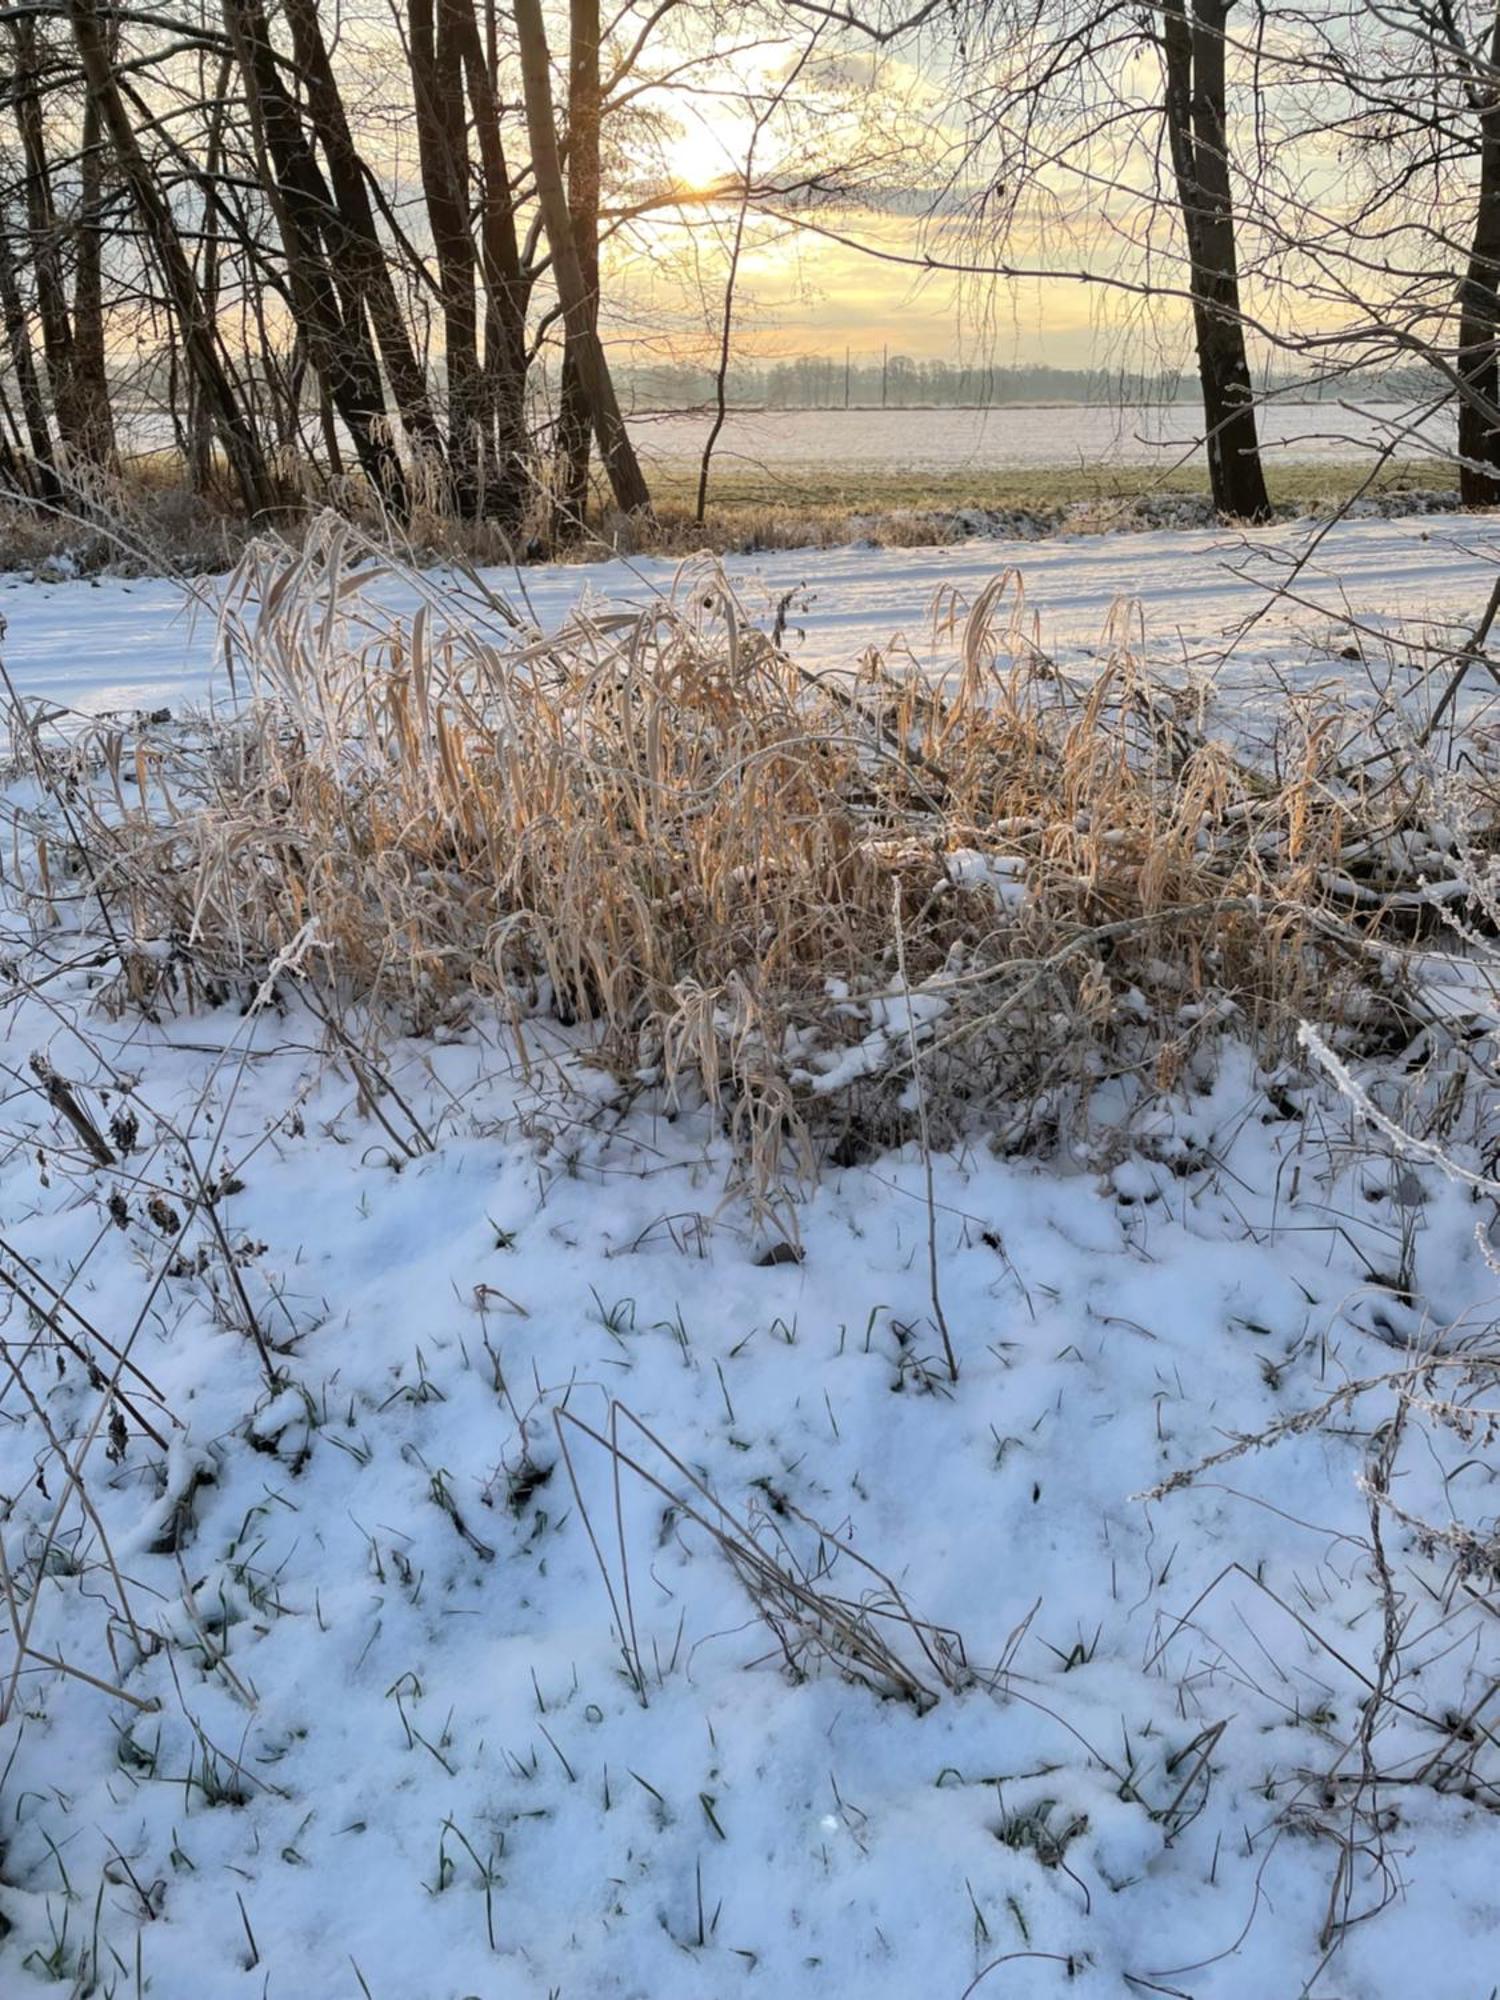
45	237
615	449
357	246
90	369
442	150
1195	101
726	335
17	472
194	428
241	446
337	340
584	177
1479	311
23	365
506	289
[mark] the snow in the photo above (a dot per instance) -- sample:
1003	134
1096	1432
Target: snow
391	1745
110	643
1004	438
947	441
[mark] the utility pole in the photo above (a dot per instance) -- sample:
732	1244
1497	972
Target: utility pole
846	378
885	365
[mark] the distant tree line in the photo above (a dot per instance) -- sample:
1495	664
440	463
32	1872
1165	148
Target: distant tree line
885	381
903	382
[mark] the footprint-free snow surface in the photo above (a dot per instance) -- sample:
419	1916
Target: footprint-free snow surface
468	1654
1200	602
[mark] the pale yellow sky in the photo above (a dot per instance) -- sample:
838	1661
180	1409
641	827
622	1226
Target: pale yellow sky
799	293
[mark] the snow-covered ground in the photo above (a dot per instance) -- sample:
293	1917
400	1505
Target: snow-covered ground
428	1695
111	643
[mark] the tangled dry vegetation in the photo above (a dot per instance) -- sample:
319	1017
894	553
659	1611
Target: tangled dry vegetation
844	910
828	903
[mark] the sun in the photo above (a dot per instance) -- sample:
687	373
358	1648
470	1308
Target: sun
700	155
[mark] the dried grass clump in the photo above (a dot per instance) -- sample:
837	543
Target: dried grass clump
779	890
146	521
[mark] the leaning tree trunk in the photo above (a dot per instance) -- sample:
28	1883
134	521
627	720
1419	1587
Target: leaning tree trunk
334	330
242	448
615	449
584	176
1479	312
23	367
506	289
1197	136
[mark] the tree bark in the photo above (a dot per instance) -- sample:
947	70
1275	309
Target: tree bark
615	449
506	288
90	364
584	177
1195	104
45	237
442	151
23	365
195	430
334	330
1479	307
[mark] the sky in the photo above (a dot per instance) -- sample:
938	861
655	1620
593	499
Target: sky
800	293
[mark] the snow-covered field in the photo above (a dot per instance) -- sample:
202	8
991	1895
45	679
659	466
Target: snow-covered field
1201	598
1009	437
1014	437
834	1676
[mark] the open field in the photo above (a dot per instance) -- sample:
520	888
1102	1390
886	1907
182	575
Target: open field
1103	448
1060	439
703	1303
742	484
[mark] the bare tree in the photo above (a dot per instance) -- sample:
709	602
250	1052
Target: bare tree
353	227
584	180
616	452
214	213
330	317
1068	133
508	283
248	461
763	110
1402	265
1479	316
38	434
44	231
95	416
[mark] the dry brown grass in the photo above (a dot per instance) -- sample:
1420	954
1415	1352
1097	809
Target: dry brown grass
775	891
144	524
147	519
